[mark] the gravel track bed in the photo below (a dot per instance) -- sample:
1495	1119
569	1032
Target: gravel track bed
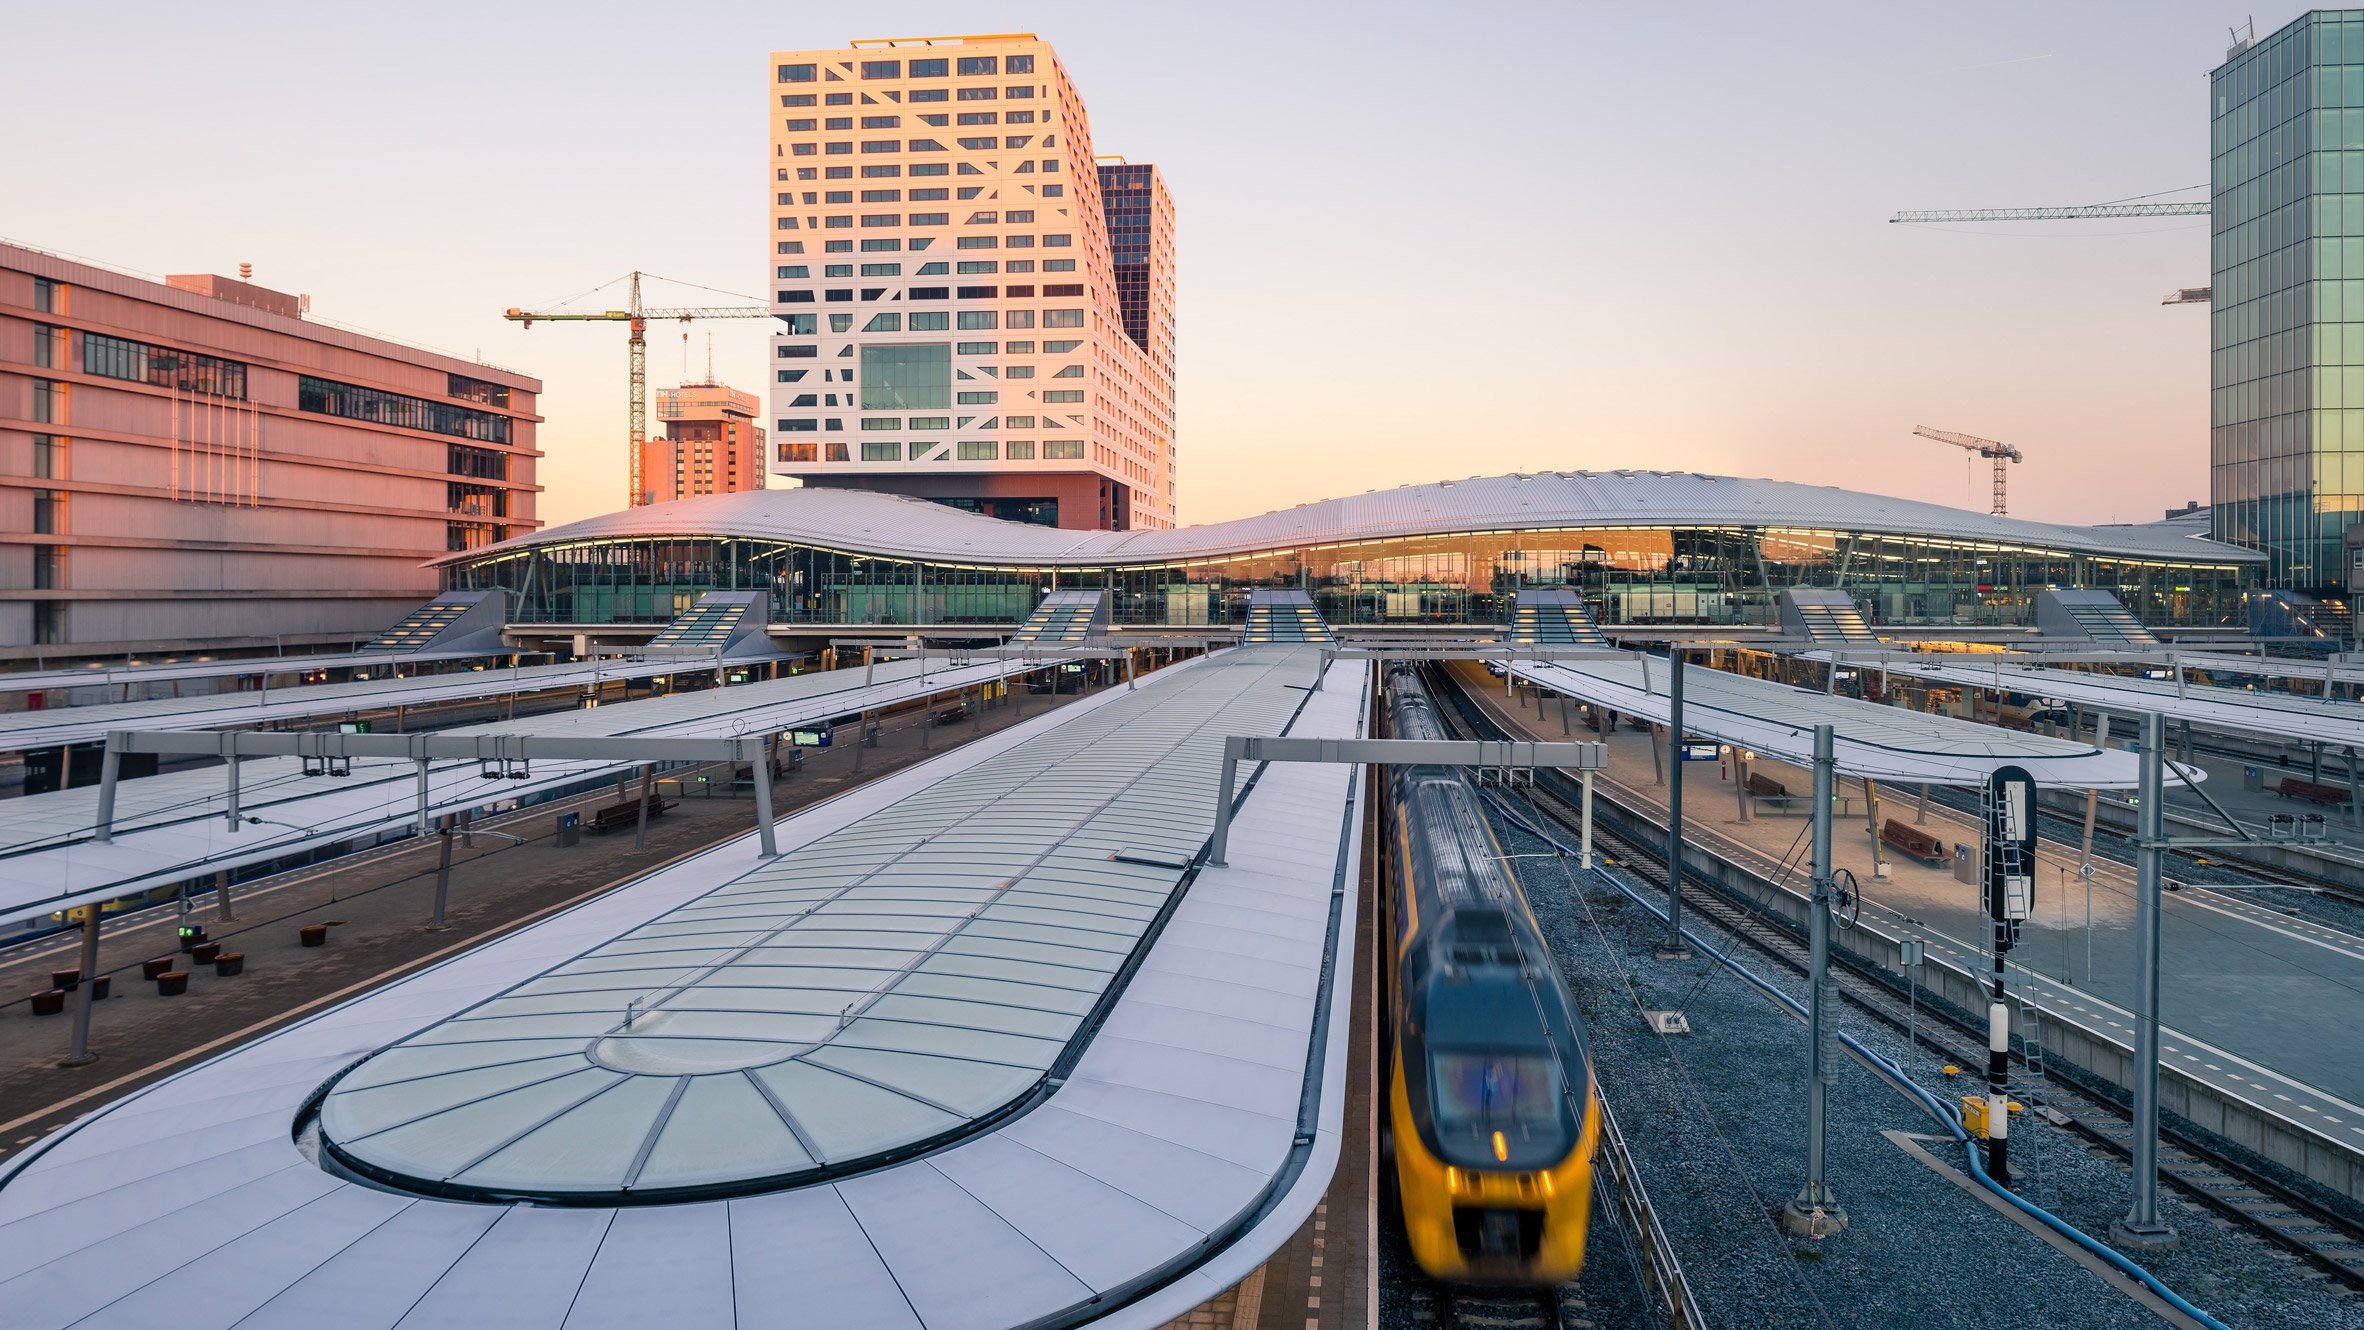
1716	1122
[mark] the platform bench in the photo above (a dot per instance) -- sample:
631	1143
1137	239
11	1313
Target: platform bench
1912	842
2291	787
627	814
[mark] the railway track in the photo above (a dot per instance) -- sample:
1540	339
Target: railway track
2329	1240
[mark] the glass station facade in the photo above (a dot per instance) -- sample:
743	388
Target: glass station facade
1628	575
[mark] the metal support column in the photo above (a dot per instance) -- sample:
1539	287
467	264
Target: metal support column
648	777
111	772
1673	948
230	814
1814	1211
767	843
86	992
221	898
2142	1226
442	873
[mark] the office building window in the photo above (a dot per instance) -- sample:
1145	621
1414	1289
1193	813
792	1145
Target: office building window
477	390
1069	450
1062	318
906	376
45	295
931	422
978	452
882	69
799	73
49	512
50	457
1020	318
1063	395
928	69
977	398
1019	422
49	401
882	452
934	320
162	367
972	319
1069	372
979	64
1020	451
1017	64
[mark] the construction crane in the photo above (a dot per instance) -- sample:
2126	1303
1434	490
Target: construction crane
2189	295
1988	448
2083	213
636	317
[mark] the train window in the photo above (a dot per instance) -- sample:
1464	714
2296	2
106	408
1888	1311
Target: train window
1482	1089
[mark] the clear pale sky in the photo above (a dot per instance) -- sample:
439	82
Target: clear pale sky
1417	241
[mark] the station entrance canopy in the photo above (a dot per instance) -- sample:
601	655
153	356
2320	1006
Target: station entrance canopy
1872	741
1553	619
457	625
1284	616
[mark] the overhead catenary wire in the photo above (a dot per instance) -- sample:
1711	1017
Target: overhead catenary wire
1900	1079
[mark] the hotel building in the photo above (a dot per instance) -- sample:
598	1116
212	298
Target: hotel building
193	463
711	444
974	310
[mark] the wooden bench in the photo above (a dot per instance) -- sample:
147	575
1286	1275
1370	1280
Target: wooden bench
2291	787
950	715
1765	787
1912	842
627	814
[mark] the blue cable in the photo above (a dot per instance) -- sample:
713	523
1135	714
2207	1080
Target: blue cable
1945	1113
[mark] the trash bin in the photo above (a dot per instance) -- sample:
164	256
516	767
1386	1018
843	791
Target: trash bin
2252	778
570	829
1965	865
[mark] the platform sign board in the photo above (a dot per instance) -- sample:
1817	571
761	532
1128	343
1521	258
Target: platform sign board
1702	750
2010	844
817	737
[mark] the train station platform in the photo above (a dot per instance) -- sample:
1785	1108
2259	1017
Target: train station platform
991	1046
2257	1005
23	730
174	827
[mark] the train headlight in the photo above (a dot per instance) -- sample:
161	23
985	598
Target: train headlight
1453	1181
1546	1180
1501	1148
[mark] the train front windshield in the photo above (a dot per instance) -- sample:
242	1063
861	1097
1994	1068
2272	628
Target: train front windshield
1500	1106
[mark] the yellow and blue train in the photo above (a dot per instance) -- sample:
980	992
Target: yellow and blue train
1491	1108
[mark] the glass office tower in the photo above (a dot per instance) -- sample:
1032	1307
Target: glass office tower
2286	439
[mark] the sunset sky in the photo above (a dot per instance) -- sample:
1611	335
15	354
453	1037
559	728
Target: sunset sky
1416	241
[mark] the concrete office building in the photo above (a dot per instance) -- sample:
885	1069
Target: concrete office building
711	443
974	311
194	464
2286	438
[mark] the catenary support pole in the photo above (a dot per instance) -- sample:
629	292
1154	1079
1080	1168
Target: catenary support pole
221	898
230	765
2142	1227
1585	847
1814	1211
1674	947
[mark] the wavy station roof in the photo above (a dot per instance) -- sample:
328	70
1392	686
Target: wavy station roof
828	1068
897	527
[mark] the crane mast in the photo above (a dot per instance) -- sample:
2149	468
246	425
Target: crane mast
1997	452
635	316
